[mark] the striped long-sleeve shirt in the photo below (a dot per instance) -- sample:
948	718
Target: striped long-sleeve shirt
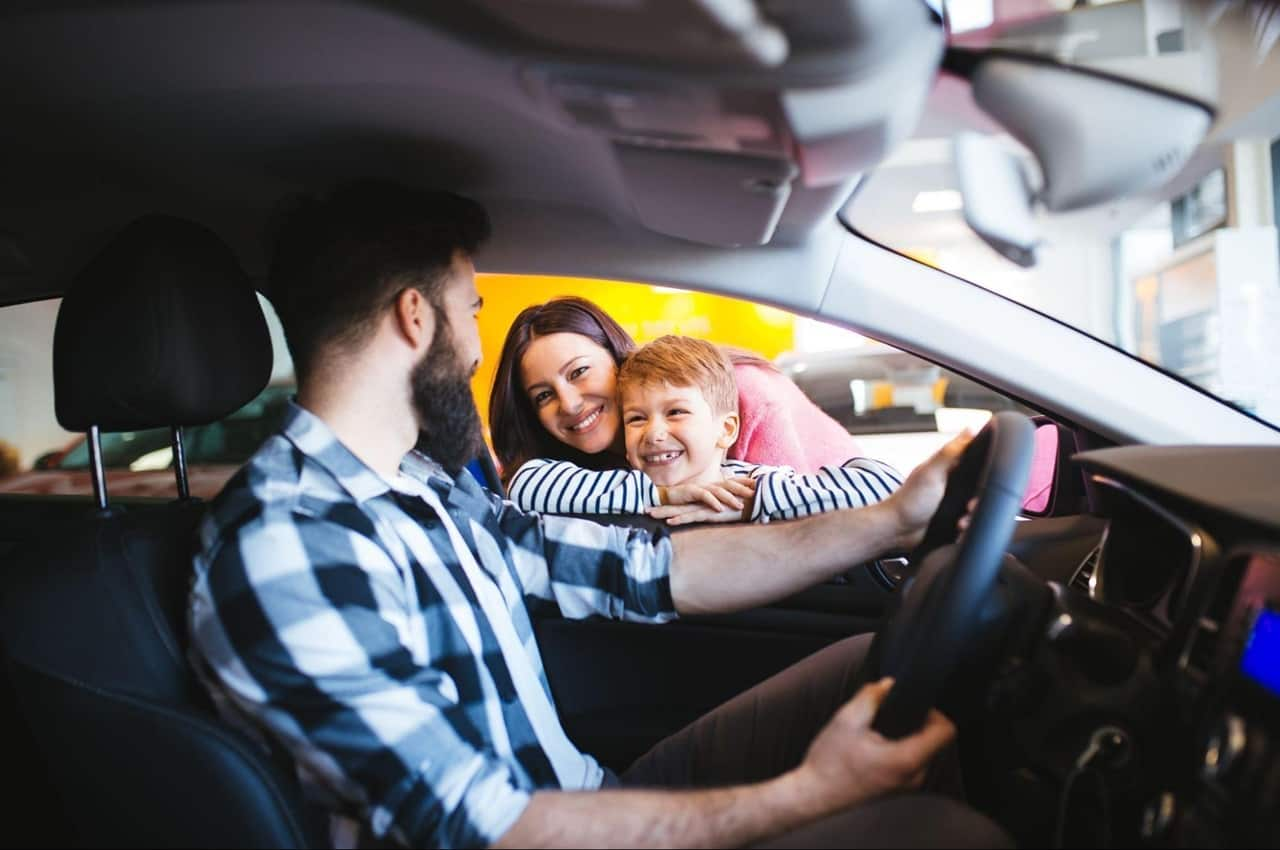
561	487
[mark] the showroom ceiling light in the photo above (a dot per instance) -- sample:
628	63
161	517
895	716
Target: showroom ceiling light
939	200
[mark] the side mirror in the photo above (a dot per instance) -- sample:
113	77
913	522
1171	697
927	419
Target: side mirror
1095	137
1044	469
1055	486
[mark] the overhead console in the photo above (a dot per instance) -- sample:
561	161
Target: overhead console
732	122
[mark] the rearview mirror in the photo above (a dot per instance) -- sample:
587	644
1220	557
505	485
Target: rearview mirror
1096	138
998	196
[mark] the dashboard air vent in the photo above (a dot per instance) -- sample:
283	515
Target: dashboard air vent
1084	572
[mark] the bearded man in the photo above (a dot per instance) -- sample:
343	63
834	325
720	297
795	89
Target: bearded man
362	605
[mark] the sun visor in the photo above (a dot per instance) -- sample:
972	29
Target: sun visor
716	198
730	157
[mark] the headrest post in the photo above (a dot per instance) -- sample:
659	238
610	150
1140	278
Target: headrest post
180	463
95	466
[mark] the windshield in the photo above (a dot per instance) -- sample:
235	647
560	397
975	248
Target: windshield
1185	276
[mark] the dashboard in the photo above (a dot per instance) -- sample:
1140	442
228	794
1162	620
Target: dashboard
1190	558
1148	557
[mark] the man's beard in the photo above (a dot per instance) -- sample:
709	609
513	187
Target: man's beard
448	420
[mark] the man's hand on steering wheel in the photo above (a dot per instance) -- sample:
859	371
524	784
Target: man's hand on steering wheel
916	501
849	762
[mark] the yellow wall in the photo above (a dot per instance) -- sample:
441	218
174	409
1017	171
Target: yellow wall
646	312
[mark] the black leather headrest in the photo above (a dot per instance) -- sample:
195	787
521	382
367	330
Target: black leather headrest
162	328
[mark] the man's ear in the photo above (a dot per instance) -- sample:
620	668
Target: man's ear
730	423
414	318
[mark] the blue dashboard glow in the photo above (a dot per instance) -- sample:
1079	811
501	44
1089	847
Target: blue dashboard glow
1261	660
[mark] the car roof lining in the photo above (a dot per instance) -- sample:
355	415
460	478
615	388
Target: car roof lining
216	111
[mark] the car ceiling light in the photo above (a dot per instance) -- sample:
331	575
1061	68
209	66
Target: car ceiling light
940	200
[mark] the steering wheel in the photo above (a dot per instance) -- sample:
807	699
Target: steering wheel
924	642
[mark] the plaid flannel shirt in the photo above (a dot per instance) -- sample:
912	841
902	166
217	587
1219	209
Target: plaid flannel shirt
380	632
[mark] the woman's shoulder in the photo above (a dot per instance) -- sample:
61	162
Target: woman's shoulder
760	384
781	426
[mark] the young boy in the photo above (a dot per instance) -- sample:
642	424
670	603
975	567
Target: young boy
679	406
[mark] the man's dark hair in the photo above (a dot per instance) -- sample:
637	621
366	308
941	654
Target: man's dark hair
338	262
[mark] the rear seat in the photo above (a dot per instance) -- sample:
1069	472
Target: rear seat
162	329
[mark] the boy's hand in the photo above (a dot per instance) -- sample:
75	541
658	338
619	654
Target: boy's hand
730	500
728	494
685	514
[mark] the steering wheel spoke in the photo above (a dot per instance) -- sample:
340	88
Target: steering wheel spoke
925	641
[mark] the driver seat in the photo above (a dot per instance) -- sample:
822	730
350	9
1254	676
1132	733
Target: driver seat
161	329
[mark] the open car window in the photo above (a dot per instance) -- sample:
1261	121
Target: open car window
899	407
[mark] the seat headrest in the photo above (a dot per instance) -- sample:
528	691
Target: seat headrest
162	328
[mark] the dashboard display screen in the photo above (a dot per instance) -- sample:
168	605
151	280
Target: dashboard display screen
1261	659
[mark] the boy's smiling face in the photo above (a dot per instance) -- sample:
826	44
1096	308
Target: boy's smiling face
673	435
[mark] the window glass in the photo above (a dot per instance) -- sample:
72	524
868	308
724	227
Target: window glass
1185	276
898	407
38	456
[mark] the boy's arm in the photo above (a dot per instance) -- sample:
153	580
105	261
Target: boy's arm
561	487
783	494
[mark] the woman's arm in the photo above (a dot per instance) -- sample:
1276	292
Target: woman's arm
561	487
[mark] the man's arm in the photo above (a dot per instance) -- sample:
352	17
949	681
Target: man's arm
720	570
847	764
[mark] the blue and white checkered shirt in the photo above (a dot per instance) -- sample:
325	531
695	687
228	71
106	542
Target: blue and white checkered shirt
379	631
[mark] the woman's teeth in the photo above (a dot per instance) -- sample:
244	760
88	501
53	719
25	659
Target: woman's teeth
586	423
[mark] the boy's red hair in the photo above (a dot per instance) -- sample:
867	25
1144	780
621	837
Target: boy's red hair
684	361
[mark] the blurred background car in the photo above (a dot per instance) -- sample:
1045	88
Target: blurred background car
140	463
900	407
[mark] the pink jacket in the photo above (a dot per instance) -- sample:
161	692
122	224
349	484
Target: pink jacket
780	426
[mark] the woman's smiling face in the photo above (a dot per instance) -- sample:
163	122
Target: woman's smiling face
572	384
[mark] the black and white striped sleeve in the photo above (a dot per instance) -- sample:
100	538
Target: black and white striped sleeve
782	493
561	487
